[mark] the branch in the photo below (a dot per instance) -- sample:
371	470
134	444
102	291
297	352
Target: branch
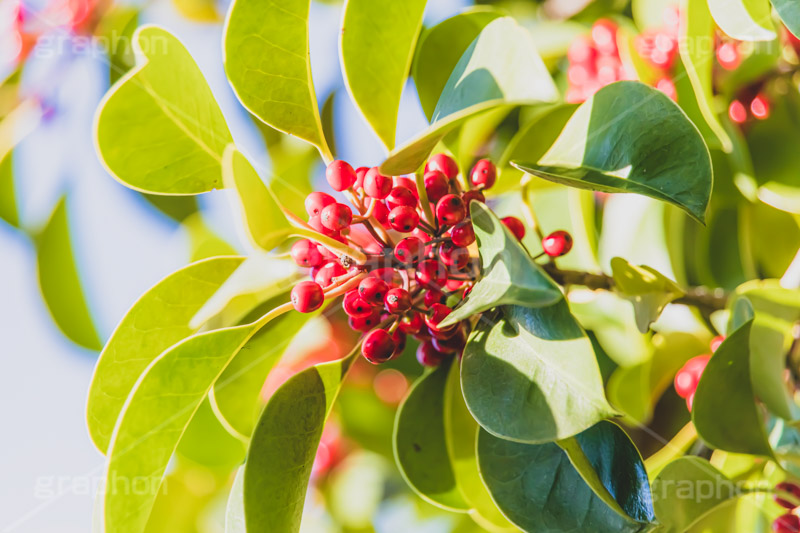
701	297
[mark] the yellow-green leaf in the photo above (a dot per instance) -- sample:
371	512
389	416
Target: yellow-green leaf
648	290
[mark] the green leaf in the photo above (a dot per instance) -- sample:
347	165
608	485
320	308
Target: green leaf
197	10
203	242
420	442
508	274
648	290
267	61
60	282
724	409
538	489
206	441
744	20
551	385
266	225
440	48
8	199
789	12
610	464
159	319
688	489
156	414
234	510
376	47
115	30
500	68
697	26
631	138
159	128
284	445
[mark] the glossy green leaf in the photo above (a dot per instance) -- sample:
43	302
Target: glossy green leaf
724	410
698	60
631	138
328	123
376	47
234	510
648	290
206	442
508	274
159	128
420	442
284	445
60	281
158	320
500	68
156	414
551	385
745	20
789	12
688	489
266	225
439	50
461	432
610	464
540	491
8	198
267	61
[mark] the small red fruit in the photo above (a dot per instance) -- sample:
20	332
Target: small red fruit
515	225
438	313
306	254
399	338
397	301
444	164
463	234
792	489
409	250
401	196
431	274
328	271
360	173
737	112
450	210
317	201
454	256
356	306
307	296
428	355
716	341
410	323
378	346
483	174
786	523
336	217
473	195
436	185
433	296
557	243
365	324
759	107
454	343
403	219
728	56
340	175
381	213
376	185
373	290
315	221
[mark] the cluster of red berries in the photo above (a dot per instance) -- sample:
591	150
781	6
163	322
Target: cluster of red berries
594	62
749	105
659	47
790	499
687	378
416	265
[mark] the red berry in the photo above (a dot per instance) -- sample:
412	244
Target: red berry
453	256
431	274
696	365
424	334
454	343
378	346
326	255
360	173
466	292
408	183
516	226
399	196
483	174
759	107
315	221
399	338
336	217
728	56
786	523
381	213
306	254
604	35
397	301
794	491
328	271
450	210
366	323
436	185
438	313
685	383
410	323
428	355
317	201
340	175
356	306
409	250
473	195
737	112
376	185
557	243
444	164
388	274
403	219
716	341
307	296
667	86
453	285
373	290
690	402
433	296
463	234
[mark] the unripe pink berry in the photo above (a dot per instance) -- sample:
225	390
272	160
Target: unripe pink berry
340	175
305	253
376	185
307	296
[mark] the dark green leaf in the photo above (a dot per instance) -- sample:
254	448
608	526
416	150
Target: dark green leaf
789	12
8	198
631	138
550	384
420	445
508	274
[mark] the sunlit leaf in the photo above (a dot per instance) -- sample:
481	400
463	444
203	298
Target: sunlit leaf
648	290
789	12
8	199
206	442
159	128
745	20
197	10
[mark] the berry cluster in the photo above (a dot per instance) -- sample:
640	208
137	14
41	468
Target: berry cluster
749	104
418	266
594	62
787	495
687	378
659	47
